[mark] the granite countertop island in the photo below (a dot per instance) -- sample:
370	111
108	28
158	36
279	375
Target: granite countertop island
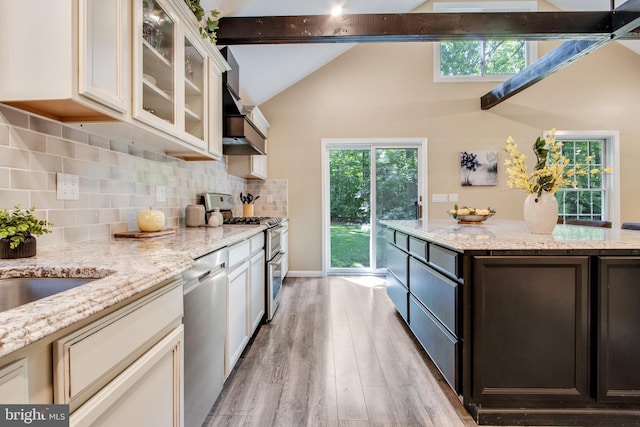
123	268
513	235
529	329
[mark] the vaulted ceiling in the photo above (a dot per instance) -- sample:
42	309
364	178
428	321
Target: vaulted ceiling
267	69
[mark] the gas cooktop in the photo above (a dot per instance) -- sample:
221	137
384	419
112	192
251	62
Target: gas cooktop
254	220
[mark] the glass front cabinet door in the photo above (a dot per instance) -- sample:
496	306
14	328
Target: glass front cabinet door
155	65
195	89
172	75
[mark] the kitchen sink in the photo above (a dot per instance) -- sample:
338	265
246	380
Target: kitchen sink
18	291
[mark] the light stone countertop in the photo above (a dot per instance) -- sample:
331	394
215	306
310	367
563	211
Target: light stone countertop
513	235
124	267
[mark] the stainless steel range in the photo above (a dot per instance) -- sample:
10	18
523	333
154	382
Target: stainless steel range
274	251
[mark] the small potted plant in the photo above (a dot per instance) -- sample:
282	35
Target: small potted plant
17	229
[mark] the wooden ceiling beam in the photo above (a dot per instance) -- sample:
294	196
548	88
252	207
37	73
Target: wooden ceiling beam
411	27
623	20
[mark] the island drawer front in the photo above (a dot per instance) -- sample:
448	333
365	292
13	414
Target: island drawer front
398	263
390	234
444	259
99	351
402	240
399	295
418	248
436	292
441	346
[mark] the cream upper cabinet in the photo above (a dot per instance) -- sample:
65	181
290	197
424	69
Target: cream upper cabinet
176	76
69	61
215	109
252	166
129	70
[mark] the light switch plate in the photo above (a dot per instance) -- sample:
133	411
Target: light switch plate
453	197
68	186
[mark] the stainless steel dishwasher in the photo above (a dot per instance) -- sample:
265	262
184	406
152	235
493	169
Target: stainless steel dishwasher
205	308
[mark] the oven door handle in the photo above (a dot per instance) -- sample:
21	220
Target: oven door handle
277	259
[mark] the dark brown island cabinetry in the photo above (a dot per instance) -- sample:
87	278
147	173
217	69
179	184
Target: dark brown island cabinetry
525	336
423	284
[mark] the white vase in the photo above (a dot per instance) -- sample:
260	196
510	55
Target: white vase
541	213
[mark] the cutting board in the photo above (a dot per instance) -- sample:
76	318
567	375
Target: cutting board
145	234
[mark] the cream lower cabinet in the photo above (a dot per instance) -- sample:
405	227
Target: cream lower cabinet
14	383
245	296
256	307
125	368
148	393
237	291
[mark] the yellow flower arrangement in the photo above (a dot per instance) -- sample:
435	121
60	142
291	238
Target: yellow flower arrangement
552	171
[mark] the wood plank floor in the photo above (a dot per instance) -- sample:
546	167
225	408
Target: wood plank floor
336	354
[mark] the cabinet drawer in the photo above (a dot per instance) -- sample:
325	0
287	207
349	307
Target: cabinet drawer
418	248
257	243
399	295
435	292
98	352
402	240
390	234
14	383
239	253
441	346
444	259
398	263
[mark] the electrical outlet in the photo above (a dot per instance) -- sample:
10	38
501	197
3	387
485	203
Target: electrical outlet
269	198
68	186
161	193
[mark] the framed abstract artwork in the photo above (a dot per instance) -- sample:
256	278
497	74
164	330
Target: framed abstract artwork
478	168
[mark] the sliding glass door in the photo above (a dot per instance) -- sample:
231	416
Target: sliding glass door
366	183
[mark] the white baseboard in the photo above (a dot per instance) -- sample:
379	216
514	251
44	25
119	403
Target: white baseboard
304	273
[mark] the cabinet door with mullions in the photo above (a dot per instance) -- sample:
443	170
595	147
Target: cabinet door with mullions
195	89
154	64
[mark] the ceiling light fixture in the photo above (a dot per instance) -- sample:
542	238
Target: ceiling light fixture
336	11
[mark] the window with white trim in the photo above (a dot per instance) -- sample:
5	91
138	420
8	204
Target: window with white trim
595	196
489	60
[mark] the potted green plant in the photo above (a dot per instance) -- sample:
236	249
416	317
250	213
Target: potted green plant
17	229
208	20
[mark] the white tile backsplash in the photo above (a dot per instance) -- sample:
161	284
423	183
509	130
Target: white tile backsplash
116	179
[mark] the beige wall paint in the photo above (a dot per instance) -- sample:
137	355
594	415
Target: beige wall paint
387	90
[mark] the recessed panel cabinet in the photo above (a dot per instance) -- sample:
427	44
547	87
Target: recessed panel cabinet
69	60
14	383
531	324
130	70
618	332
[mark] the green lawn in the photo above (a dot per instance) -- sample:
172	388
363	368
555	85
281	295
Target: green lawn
349	245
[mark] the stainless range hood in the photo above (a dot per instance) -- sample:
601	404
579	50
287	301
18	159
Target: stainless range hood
239	135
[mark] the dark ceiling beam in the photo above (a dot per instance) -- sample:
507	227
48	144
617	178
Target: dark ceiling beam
624	19
410	27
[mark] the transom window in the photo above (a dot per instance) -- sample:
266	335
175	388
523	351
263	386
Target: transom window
490	60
